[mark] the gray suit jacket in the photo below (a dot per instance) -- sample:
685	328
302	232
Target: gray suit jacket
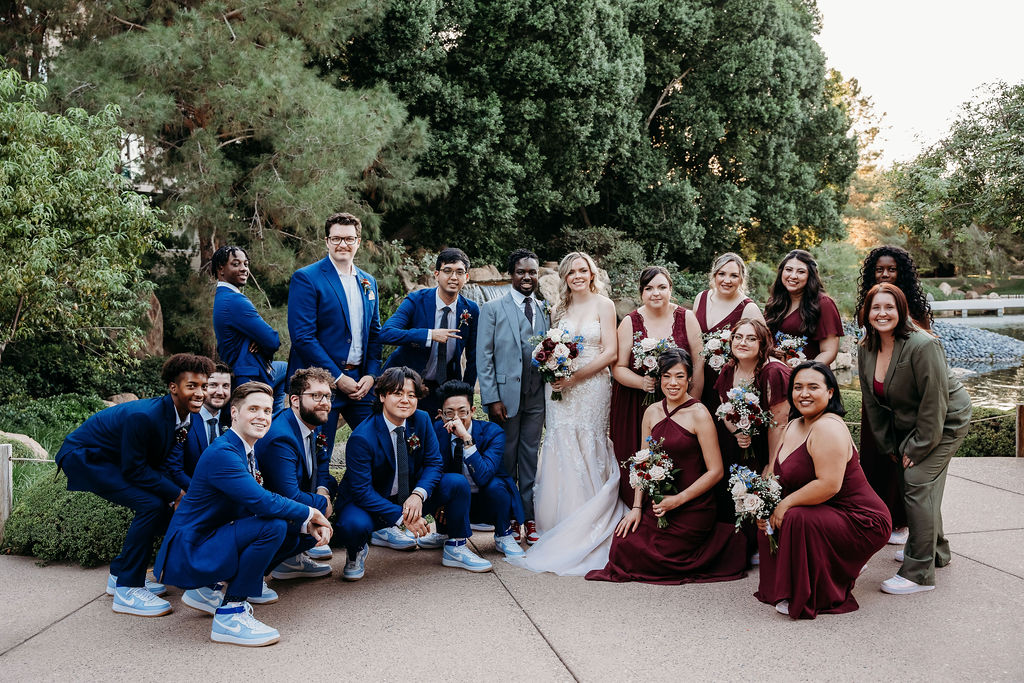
504	352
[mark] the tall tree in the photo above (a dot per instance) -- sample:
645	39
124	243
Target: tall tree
963	198
72	232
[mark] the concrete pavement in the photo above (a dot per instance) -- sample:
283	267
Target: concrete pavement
413	619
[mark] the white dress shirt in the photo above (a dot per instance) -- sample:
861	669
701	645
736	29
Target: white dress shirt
521	303
354	298
453	324
394	454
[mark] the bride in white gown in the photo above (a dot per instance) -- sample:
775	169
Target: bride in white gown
576	498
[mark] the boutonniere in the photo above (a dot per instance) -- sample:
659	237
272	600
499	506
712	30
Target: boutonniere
545	306
413	442
258	476
321	442
180	434
465	319
366	288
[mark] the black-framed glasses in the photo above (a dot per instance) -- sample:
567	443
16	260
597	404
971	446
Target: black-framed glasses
336	240
451	414
318	397
448	272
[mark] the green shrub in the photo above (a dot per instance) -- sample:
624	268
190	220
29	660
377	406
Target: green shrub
48	420
621	257
54	524
760	277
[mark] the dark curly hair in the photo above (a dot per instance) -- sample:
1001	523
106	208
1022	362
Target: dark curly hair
778	302
907	280
180	363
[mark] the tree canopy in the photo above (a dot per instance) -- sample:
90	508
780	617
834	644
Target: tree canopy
72	231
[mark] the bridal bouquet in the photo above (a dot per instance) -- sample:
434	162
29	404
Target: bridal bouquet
556	356
743	409
717	347
650	470
755	497
792	348
645	357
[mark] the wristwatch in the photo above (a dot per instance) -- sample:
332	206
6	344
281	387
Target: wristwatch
467	444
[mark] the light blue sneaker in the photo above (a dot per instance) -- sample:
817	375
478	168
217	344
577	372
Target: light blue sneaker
507	545
464	558
432	541
267	597
204	599
320	553
355	569
140	602
234	623
300	567
395	538
153	587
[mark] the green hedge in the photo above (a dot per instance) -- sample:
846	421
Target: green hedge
48	420
52	523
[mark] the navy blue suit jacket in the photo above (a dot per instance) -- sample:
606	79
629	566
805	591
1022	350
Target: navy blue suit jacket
408	326
486	465
237	324
182	463
125	445
370	464
200	546
282	458
319	321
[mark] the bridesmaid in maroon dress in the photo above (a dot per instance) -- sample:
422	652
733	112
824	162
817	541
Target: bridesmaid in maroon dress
798	306
829	522
721	306
695	547
657	318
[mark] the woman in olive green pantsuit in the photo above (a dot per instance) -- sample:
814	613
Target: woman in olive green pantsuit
919	414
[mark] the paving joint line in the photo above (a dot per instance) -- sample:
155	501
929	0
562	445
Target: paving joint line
985	564
533	623
51	625
982	483
981	531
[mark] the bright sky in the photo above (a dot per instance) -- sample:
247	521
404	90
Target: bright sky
921	59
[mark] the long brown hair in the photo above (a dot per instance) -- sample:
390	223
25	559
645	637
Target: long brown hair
765	345
904	326
778	302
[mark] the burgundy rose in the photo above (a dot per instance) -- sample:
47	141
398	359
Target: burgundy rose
542	356
574	351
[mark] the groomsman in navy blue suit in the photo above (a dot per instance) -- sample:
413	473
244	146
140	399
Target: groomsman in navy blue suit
211	421
120	454
295	463
475	449
433	327
244	339
393	478
229	531
334	323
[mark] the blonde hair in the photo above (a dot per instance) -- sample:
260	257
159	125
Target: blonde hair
564	293
729	257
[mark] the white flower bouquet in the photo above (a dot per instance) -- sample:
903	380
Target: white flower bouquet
650	470
645	357
755	497
556	356
743	409
717	348
792	348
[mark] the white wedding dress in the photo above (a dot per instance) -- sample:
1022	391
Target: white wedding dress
576	498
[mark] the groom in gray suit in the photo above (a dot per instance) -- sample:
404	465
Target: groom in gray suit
510	386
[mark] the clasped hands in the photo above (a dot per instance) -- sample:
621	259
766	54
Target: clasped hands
319	528
353	389
412	516
776	517
563	383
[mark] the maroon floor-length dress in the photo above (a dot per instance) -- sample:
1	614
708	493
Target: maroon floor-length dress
709	397
695	547
829	325
627	403
771	383
822	548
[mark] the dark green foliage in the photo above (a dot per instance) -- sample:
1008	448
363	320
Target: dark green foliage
991	438
48	420
54	524
623	258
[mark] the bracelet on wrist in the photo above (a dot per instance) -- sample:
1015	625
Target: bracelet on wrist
419	495
637	507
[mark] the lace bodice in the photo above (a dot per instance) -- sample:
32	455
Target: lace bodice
586	405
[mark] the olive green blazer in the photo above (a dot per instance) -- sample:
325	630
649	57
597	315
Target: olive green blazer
922	398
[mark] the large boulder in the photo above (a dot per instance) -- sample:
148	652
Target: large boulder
122	398
624	307
486	273
153	344
30	443
945	288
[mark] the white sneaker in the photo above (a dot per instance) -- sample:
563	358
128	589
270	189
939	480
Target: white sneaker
899	555
755	559
899	536
898	585
782	607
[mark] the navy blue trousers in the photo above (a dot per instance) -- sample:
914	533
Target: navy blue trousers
152	514
262	545
355	525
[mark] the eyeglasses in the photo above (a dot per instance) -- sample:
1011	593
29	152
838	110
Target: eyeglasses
318	397
448	272
451	414
335	241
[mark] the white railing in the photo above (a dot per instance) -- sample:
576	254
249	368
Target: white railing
964	305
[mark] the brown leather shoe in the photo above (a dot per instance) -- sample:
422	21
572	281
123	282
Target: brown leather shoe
531	532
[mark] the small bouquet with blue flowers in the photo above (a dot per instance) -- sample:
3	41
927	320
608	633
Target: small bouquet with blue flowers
556	356
650	470
755	497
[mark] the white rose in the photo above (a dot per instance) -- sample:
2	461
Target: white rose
650	362
555	334
793	362
641	456
752	503
739	506
561	351
744	422
552	363
634	480
752	398
723	410
657	473
713	345
774	486
648	344
739	489
716	362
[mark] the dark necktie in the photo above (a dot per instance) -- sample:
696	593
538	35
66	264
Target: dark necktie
457	451
251	460
312	458
402	458
441	372
528	309
211	430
